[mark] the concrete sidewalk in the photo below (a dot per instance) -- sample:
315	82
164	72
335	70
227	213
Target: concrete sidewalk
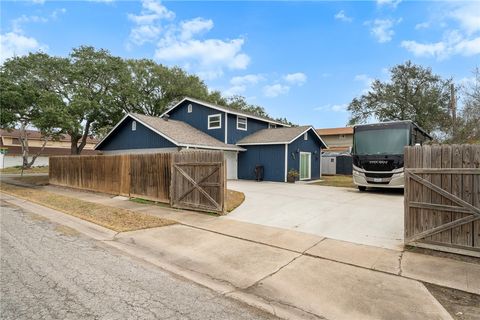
272	268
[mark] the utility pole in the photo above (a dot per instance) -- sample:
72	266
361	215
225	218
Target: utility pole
453	109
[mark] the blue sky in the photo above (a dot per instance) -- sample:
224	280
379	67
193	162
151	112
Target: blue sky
300	60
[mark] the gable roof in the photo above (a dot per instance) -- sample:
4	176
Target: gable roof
37	135
277	136
228	110
177	132
335	131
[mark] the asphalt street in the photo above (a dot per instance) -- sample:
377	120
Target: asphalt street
49	271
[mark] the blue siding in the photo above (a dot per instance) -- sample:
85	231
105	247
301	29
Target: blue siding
311	145
253	125
270	156
124	138
199	118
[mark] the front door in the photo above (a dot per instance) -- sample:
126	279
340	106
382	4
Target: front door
305	165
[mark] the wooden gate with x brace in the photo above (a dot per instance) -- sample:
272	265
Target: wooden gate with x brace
198	181
442	198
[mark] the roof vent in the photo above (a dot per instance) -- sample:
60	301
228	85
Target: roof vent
165	117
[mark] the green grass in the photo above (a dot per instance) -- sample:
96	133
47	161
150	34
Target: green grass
336	181
145	201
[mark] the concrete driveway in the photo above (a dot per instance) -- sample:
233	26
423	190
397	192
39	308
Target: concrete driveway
372	218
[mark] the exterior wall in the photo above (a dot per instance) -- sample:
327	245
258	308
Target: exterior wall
9	141
141	151
13	161
124	138
338	141
234	134
198	118
311	145
270	156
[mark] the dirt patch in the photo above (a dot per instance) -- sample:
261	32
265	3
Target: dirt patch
234	199
67	231
116	219
336	181
32	180
461	305
18	169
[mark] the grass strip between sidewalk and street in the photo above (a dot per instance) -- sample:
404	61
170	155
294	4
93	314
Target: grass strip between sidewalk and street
116	219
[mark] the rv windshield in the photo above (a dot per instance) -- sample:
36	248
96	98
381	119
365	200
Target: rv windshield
380	141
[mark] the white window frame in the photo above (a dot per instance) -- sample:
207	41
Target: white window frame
189	108
309	166
219	115
246	123
272	125
134	125
305	136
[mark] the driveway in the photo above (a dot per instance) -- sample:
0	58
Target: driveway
372	218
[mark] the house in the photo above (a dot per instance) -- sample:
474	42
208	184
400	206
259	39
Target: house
247	140
10	142
338	139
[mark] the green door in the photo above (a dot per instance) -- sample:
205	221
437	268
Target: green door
305	165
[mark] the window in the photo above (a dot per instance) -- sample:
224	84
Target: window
134	125
214	121
305	136
241	123
271	126
189	108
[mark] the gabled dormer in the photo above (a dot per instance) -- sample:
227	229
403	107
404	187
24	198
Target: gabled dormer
225	124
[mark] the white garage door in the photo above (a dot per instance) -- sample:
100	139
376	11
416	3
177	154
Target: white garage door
231	157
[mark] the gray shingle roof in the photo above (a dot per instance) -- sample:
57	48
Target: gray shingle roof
182	133
229	110
274	135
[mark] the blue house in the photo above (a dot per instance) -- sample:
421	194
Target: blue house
247	140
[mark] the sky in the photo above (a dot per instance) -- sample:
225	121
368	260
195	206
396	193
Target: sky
301	60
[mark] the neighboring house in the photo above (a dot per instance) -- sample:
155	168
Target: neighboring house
10	140
247	140
337	139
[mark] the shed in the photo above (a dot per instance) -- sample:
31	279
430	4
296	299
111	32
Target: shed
336	163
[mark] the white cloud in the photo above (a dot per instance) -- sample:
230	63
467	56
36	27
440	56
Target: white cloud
16	44
343	17
235	90
298	78
453	43
392	3
179	43
423	25
248	79
366	80
382	29
275	90
193	27
468	16
333	107
240	83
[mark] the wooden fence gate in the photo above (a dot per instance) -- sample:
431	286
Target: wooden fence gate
198	181
442	198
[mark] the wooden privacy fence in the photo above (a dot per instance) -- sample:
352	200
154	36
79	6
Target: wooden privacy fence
442	197
148	176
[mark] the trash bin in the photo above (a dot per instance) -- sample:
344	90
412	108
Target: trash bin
259	172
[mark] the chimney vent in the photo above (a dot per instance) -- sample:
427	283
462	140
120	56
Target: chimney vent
165	117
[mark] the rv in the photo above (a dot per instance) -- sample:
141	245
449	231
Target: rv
377	152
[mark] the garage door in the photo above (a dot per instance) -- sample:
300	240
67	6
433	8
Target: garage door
232	160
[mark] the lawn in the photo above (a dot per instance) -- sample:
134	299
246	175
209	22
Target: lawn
116	219
336	181
18	169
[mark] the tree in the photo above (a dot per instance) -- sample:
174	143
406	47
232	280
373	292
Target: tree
151	88
413	93
468	124
24	103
